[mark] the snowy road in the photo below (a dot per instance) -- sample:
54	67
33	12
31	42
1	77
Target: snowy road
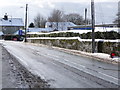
62	70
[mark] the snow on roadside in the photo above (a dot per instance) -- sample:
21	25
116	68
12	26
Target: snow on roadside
102	56
99	56
106	56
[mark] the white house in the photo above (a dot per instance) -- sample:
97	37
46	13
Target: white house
10	25
58	26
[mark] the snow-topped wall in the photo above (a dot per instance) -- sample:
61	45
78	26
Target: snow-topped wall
80	44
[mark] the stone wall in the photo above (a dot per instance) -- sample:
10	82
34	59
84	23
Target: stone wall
84	45
111	47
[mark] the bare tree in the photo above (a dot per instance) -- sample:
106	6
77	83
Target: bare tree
117	20
56	16
39	21
31	25
75	18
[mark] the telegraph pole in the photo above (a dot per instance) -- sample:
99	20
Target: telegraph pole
26	23
93	25
85	16
119	14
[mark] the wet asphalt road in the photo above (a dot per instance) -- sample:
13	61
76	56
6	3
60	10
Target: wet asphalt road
0	67
62	70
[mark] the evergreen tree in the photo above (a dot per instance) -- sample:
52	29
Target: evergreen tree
31	25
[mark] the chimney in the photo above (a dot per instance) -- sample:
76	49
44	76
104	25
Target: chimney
5	16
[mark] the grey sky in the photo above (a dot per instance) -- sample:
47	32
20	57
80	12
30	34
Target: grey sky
106	10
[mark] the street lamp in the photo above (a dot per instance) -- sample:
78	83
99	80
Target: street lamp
26	23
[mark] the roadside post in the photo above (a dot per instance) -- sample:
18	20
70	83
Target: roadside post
100	46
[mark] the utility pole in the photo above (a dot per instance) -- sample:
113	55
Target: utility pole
26	23
119	14
93	25
85	16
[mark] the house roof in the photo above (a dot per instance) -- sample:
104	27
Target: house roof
37	29
11	22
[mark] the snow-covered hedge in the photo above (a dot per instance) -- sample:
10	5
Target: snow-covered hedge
98	35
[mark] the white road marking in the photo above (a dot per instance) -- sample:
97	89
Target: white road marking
108	76
58	58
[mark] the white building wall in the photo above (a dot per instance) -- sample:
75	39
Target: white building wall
60	26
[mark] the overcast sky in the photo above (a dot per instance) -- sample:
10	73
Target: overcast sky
105	10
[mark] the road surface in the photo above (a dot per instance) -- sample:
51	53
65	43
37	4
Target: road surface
14	75
63	70
0	67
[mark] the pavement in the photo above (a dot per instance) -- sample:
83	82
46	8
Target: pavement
14	75
63	70
11	77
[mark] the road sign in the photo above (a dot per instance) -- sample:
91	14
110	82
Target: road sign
20	32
